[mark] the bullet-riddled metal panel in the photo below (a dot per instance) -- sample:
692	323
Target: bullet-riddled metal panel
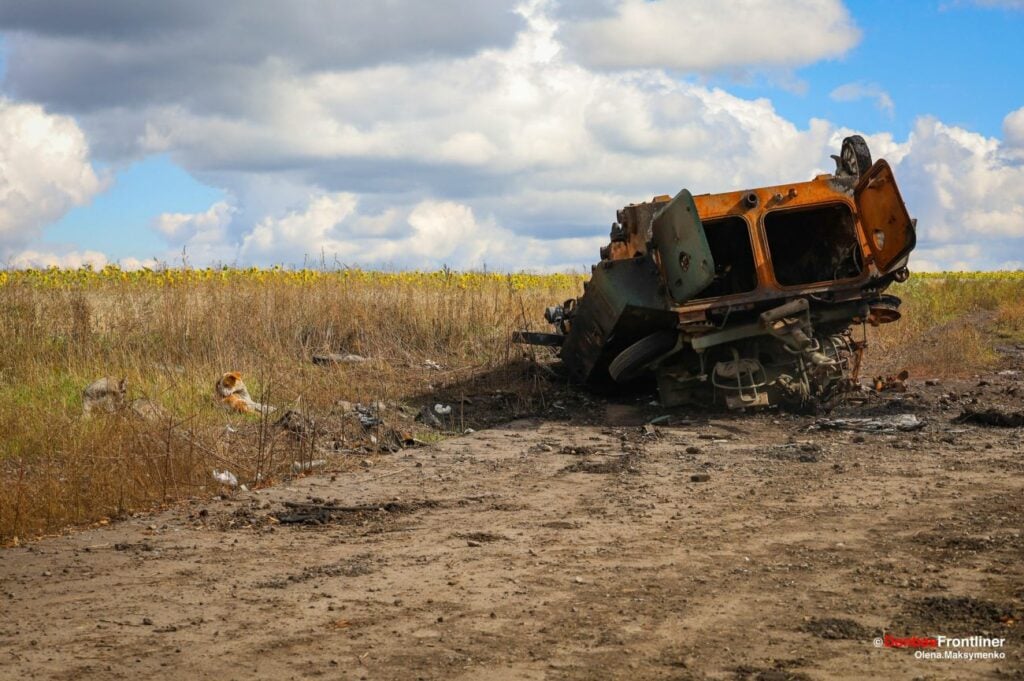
883	216
683	248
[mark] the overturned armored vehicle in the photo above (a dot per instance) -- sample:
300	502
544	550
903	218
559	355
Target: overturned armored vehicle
747	298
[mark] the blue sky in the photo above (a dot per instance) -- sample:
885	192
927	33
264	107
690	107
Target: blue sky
498	135
958	62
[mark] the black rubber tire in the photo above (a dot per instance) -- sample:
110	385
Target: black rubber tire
855	155
629	363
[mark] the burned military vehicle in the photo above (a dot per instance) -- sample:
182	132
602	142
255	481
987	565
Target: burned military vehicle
748	298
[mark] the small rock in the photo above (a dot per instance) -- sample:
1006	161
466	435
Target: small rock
472	543
693	450
147	622
700	477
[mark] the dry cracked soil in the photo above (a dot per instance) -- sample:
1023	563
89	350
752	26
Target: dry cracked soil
710	546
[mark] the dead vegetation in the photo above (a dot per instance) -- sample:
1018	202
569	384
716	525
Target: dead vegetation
419	343
172	343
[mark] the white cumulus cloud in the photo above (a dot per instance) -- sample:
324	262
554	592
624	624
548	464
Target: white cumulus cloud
33	259
44	171
967	191
1013	129
331	229
852	92
202	236
695	35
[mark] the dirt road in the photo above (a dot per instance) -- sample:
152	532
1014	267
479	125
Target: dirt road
564	549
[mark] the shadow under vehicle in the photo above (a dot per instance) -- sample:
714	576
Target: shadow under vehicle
746	298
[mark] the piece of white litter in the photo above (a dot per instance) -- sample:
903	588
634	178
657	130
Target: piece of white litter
431	364
225	477
442	409
300	466
881	424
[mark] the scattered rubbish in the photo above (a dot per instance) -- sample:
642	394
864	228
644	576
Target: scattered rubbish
225	477
431	364
426	416
442	409
296	423
337	358
368	415
105	395
882	424
306	466
1008	372
992	417
896	384
680	295
232	394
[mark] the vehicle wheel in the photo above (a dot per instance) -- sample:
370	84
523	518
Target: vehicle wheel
630	362
855	156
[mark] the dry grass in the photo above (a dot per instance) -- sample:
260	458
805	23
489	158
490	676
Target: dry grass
951	324
172	342
173	335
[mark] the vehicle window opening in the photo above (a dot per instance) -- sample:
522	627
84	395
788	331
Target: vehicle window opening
729	240
813	244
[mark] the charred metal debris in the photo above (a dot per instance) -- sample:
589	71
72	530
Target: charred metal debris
748	298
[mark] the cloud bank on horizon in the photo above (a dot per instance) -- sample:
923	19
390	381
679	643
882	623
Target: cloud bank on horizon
460	132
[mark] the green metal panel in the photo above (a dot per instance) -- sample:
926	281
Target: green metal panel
683	247
623	302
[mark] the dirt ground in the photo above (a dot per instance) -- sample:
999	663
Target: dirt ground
574	544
